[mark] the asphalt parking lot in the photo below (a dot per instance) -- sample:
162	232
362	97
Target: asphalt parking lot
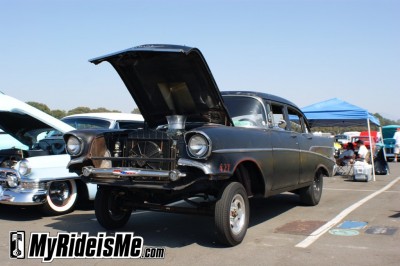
356	223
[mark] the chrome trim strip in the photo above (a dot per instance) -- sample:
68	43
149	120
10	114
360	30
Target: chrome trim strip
324	151
242	150
271	149
187	162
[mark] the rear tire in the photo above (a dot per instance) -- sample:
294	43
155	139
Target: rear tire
232	214
108	210
311	195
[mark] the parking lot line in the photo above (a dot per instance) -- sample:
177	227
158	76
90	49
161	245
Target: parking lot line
359	190
323	229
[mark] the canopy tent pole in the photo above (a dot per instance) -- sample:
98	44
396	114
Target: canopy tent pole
371	148
383	143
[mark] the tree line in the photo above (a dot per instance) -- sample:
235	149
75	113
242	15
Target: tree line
57	113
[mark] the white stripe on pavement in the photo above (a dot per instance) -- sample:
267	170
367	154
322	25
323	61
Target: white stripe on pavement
323	229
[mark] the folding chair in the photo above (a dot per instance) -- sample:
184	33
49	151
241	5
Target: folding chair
344	169
345	161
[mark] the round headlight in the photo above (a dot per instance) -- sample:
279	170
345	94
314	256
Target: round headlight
73	145
198	146
12	181
24	167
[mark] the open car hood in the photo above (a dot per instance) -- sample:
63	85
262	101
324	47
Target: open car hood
169	80
17	118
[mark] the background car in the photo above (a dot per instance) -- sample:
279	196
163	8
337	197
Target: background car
388	140
352	133
364	136
342	139
104	120
33	159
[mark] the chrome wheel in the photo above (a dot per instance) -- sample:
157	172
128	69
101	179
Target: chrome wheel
311	195
317	186
59	193
61	197
232	214
237	214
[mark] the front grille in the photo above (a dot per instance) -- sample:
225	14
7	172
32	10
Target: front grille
33	185
147	149
389	150
3	177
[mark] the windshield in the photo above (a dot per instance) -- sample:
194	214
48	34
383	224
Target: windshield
388	131
86	123
8	142
245	111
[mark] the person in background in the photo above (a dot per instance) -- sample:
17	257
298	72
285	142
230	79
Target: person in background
396	136
347	156
362	150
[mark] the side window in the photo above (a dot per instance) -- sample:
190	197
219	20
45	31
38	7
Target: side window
296	121
278	116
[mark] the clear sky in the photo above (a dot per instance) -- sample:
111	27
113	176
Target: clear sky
303	50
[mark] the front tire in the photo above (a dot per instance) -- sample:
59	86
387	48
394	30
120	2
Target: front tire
61	197
311	195
232	214
108	210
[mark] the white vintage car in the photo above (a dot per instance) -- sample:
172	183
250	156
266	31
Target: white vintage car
33	161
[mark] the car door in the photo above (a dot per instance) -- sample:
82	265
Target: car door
285	150
305	141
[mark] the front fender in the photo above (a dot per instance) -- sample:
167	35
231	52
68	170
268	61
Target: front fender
45	168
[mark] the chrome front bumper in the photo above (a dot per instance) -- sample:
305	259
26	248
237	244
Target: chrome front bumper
19	196
31	195
159	175
132	172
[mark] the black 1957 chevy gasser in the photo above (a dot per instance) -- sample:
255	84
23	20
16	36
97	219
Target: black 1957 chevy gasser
214	150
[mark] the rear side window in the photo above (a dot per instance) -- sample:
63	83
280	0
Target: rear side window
296	121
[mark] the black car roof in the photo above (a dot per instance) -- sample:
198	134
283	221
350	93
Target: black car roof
266	96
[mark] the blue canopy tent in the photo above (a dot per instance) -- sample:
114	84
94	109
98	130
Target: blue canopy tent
336	112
